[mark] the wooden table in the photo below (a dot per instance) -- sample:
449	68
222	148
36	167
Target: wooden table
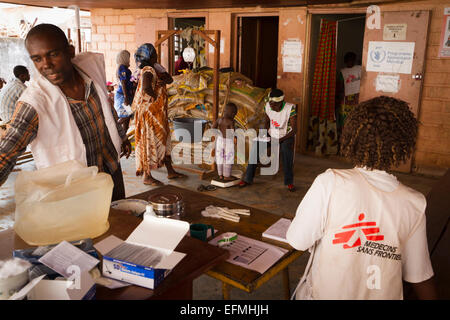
253	227
200	257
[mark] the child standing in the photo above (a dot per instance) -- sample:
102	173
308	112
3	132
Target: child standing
366	231
224	144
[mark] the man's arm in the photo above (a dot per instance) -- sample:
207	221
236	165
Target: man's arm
126	144
127	99
293	124
425	290
19	133
417	269
165	77
147	87
266	121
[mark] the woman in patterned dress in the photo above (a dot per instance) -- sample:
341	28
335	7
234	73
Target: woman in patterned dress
152	133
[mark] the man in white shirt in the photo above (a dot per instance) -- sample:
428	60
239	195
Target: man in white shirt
12	91
365	230
280	120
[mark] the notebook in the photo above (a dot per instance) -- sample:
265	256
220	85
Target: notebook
278	230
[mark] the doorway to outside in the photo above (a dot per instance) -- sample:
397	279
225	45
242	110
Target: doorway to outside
332	38
257	49
178	43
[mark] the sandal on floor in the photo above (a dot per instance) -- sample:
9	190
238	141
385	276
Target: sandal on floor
291	188
202	188
243	184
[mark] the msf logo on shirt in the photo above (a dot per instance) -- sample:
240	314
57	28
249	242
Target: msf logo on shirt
276	124
353	233
352	78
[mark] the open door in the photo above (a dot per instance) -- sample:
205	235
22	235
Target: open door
393	60
257	54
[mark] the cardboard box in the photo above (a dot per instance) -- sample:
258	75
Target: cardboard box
159	234
39	289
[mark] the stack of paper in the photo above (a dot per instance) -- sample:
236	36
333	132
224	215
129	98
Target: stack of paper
278	230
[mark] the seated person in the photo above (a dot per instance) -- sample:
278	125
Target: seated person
224	144
366	231
281	120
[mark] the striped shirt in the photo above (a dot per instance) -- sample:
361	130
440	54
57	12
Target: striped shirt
88	116
8	98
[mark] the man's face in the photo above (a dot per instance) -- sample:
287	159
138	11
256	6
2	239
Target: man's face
25	77
350	63
51	58
275	105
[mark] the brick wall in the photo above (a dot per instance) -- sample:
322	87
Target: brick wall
113	31
433	147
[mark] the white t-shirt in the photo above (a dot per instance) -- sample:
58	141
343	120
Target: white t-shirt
279	120
352	79
308	228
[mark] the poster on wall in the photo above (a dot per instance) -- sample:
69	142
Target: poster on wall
393	57
387	83
292	55
444	50
395	31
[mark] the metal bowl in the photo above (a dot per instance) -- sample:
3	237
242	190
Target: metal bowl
167	204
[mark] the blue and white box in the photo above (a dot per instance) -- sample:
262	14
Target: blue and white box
147	256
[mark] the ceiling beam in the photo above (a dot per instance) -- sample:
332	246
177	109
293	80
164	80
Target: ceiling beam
171	4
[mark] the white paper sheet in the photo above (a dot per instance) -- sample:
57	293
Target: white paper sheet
252	254
66	255
395	31
292	55
387	83
162	234
292	64
292	48
389	56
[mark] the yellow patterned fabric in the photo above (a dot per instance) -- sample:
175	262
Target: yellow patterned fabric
152	134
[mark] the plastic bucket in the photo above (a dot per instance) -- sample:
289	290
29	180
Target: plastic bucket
189	130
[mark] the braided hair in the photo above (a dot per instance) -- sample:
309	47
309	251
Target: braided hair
379	133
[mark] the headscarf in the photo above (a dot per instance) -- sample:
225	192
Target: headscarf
144	53
276	95
122	58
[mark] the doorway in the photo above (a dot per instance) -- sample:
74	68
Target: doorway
178	43
323	135
257	49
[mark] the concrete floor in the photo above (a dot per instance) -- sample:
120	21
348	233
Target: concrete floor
267	193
